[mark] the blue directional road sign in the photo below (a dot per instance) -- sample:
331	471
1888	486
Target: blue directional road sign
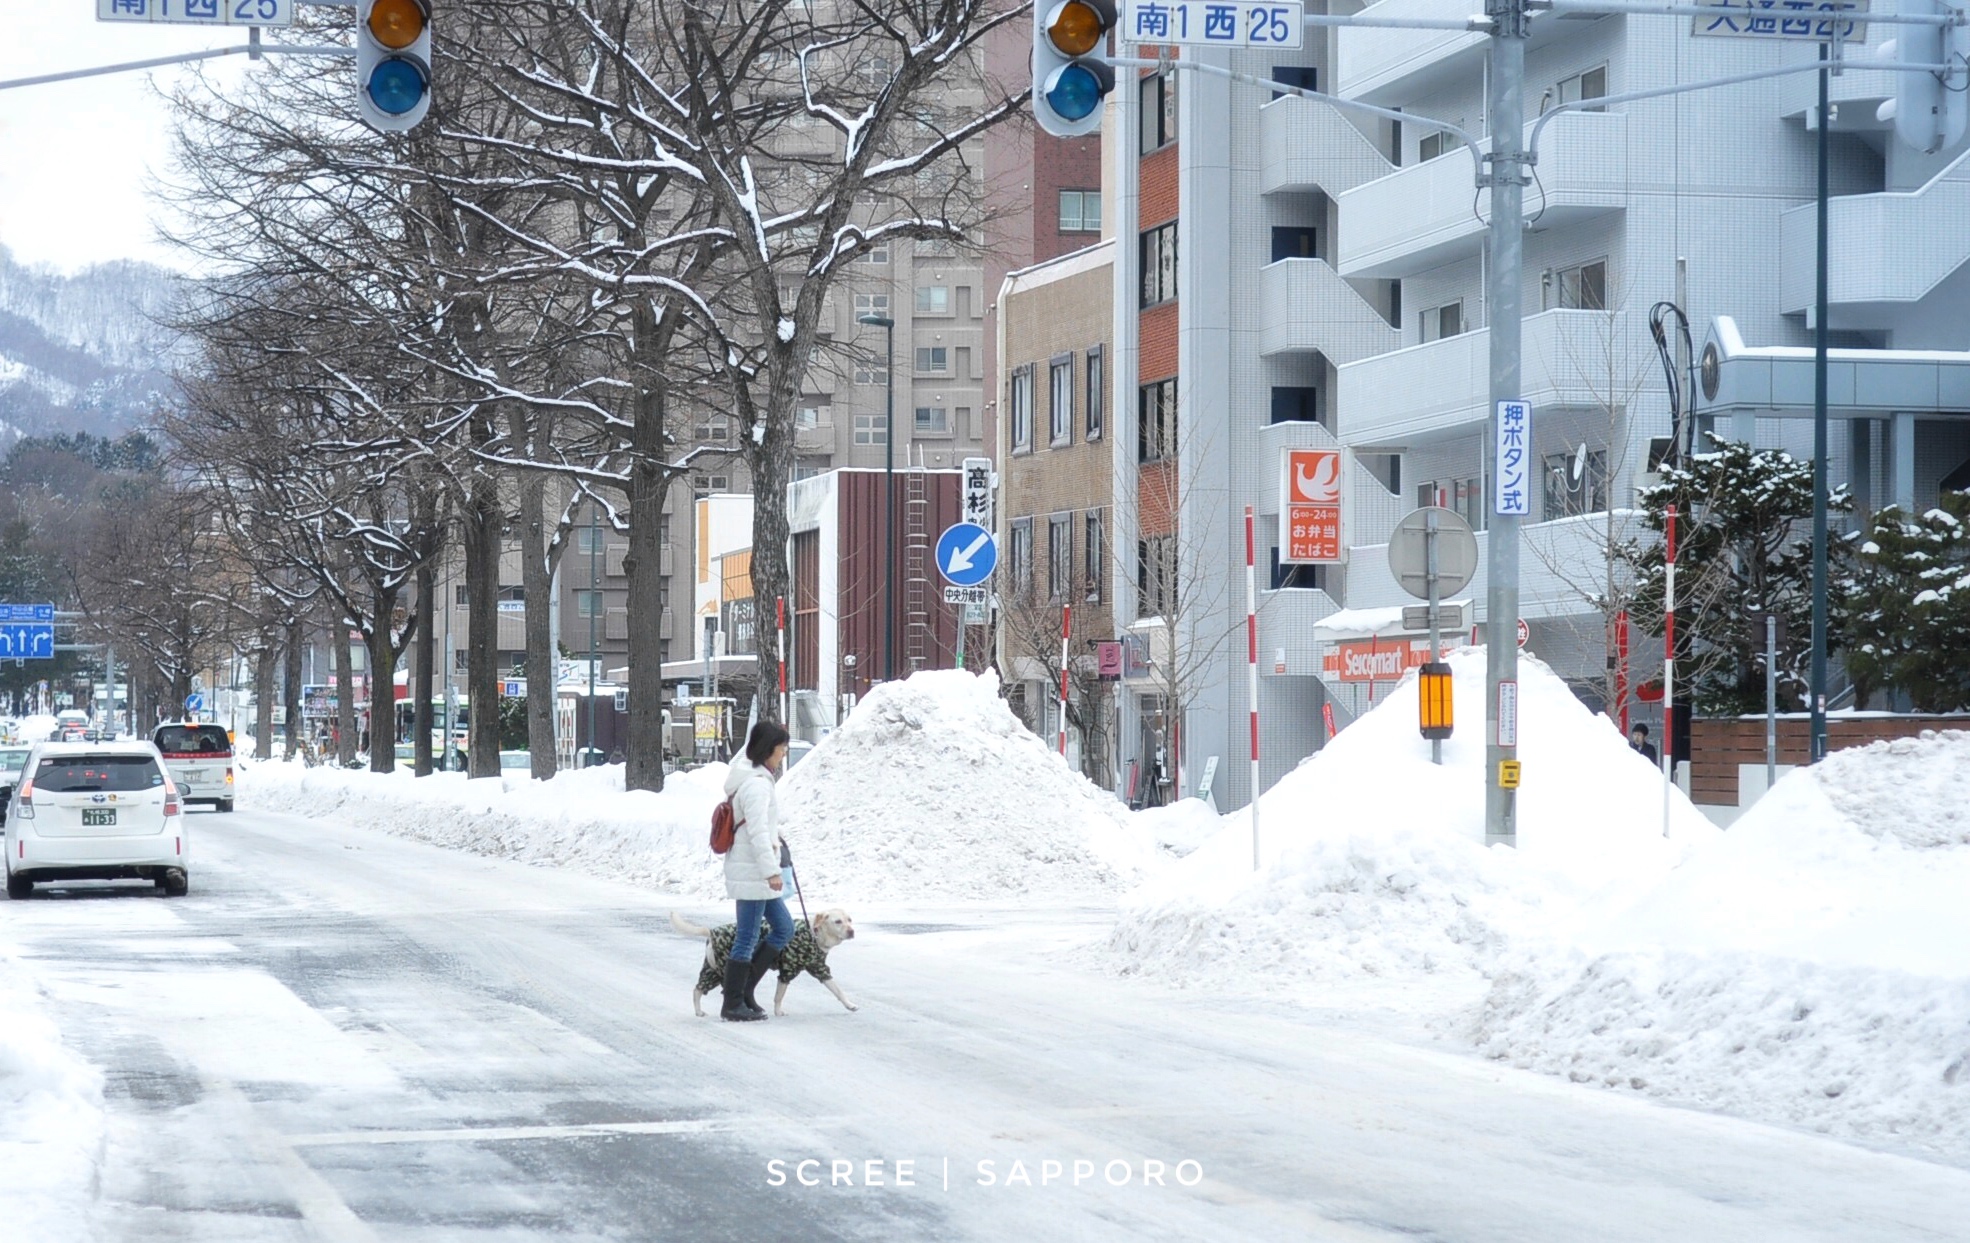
194	703
27	612
967	554
27	640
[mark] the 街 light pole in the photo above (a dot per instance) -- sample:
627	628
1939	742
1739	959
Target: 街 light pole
888	326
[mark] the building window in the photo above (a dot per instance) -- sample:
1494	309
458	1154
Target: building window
1464	496
1019	399
934	300
1159	264
1576	483
871	304
588	539
705	485
933	421
461	660
1295	404
715	430
459	597
1080	211
1155	576
1020	555
1159	110
878	253
816	415
1293	241
1582	288
588	604
871	429
1097	391
1060	400
1305	77
1093	560
1292	577
933	360
1156	426
871	373
1432	145
1587	84
1060	557
1441	321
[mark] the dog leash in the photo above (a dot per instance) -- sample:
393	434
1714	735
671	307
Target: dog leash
796	884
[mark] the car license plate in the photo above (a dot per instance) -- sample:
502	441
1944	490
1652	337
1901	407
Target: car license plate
94	817
194	774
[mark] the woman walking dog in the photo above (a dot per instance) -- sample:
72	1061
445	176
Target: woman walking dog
752	870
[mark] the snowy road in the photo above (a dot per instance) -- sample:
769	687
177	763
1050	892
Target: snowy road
343	1036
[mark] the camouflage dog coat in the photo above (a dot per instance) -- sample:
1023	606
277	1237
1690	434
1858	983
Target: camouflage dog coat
803	953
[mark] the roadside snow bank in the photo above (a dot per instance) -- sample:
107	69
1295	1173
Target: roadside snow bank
1374	862
933	788
51	1117
1812	968
582	819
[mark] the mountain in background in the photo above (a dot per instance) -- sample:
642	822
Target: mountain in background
84	352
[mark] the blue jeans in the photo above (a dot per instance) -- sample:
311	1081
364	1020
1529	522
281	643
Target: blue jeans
752	913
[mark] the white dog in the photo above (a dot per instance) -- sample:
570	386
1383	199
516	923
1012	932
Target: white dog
808	951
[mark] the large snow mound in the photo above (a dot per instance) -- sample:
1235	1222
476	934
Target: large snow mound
51	1117
1374	857
1812	968
932	787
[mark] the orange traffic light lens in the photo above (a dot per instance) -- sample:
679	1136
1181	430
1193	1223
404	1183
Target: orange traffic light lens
1076	28
397	24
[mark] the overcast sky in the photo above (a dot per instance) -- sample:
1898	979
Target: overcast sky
74	156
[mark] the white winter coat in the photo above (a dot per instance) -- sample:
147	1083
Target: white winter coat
755	853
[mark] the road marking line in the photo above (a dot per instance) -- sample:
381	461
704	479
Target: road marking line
320	1205
487	1134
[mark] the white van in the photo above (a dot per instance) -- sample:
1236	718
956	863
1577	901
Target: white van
96	811
200	761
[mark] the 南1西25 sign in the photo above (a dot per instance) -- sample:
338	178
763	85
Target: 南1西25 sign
1310	506
1214	23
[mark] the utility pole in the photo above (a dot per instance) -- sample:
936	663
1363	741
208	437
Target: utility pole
594	604
888	325
1817	673
1506	177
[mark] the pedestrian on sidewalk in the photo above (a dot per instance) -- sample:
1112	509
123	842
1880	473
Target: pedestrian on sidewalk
752	870
1638	738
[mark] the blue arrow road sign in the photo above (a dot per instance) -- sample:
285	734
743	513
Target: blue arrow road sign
967	554
194	703
27	613
27	640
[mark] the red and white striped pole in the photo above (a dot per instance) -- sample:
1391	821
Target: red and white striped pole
780	612
1668	667
1066	615
1252	668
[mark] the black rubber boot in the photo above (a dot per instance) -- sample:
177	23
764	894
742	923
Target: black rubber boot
764	959
734	1009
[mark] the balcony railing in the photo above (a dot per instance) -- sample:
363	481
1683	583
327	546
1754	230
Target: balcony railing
1890	247
1309	145
1305	305
1429	214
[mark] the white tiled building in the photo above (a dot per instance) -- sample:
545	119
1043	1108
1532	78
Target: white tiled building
1330	280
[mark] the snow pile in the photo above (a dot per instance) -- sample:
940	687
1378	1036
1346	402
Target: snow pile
932	787
1374	862
1812	968
36	728
583	818
51	1117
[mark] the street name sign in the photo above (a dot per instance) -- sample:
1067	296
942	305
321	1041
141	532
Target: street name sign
1815	21
1213	23
198	12
27	612
966	554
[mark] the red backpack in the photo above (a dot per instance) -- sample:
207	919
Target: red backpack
724	826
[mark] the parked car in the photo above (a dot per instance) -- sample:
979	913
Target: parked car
106	811
200	761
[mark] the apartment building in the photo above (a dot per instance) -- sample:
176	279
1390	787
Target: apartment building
1058	468
1304	278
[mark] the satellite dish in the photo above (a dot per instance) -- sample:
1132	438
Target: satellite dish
1579	463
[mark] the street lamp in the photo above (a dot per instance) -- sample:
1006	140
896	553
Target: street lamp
888	326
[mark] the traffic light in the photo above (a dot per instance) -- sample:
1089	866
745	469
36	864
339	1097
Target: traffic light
1930	109
1071	74
393	62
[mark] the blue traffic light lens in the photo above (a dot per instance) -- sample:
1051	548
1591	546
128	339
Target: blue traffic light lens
396	85
1074	92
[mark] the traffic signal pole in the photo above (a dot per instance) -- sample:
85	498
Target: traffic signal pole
1505	173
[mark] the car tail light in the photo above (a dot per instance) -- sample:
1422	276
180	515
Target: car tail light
229	776
170	800
24	801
